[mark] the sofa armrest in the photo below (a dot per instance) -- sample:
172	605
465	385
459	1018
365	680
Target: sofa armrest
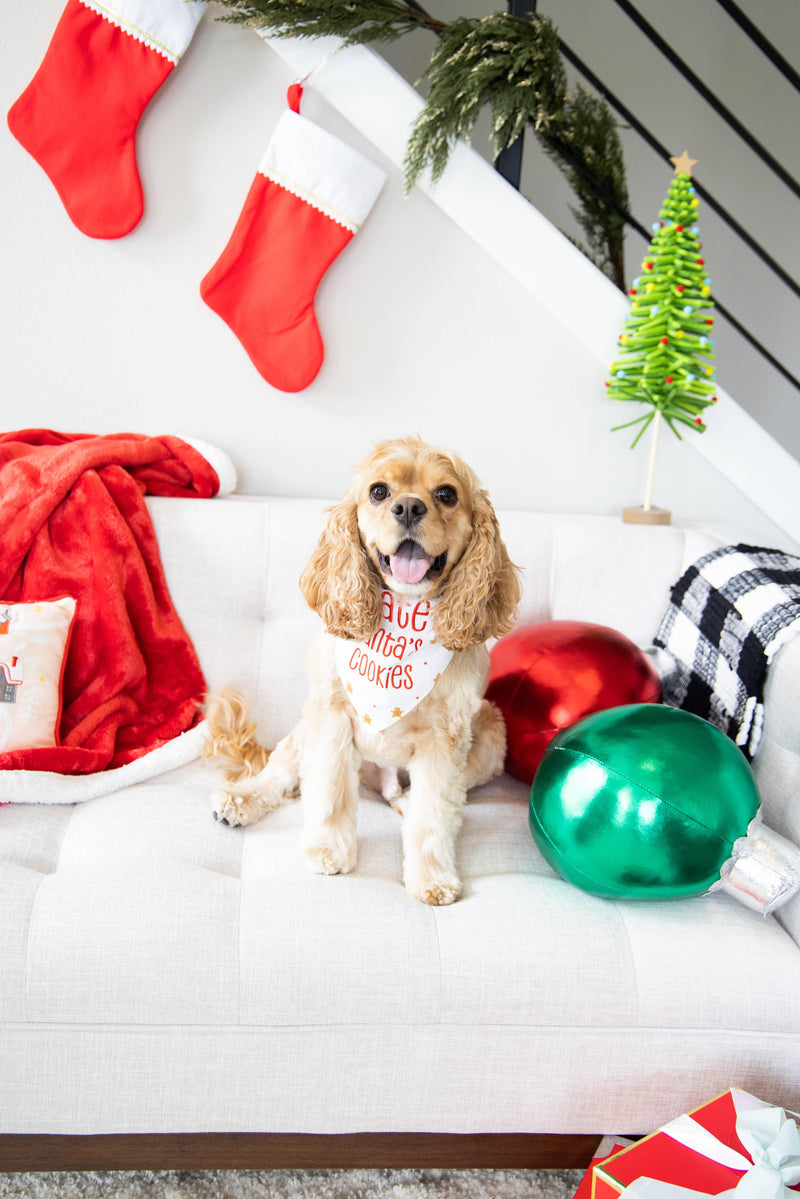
777	761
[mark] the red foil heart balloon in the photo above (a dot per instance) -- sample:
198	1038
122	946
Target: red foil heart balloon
544	677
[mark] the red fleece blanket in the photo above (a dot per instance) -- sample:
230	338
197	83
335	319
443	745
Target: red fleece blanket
74	522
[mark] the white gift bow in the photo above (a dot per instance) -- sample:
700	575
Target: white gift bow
768	1135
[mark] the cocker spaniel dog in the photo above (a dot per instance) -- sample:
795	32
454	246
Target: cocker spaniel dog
410	578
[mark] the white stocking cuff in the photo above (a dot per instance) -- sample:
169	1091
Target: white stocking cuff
322	170
166	26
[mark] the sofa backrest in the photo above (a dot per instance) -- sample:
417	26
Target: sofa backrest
232	565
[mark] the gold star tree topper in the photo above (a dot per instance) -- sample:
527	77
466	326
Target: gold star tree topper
683	164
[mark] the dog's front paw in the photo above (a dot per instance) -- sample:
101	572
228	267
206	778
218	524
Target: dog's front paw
436	892
235	810
324	859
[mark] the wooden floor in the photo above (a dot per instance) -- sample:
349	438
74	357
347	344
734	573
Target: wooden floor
268	1151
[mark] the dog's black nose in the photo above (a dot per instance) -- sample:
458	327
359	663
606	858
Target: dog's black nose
409	510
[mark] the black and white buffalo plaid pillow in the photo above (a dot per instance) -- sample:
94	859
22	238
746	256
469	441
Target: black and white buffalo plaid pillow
729	615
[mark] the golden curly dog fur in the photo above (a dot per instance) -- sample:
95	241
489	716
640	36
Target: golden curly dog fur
415	523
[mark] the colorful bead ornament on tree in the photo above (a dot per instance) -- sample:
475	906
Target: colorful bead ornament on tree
665	348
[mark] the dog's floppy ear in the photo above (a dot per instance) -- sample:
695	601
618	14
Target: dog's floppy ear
479	598
339	582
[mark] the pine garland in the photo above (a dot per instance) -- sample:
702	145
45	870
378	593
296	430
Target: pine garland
586	148
513	66
356	22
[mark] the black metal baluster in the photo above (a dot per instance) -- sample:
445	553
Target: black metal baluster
509	161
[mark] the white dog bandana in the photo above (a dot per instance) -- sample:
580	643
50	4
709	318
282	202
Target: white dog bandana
388	675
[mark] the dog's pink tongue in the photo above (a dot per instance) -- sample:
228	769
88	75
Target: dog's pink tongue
410	563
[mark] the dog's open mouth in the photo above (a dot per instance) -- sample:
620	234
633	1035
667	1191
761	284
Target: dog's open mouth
410	564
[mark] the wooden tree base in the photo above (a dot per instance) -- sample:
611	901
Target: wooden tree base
646	516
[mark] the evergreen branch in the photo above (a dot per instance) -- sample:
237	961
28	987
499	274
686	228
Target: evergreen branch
588	152
358	21
509	63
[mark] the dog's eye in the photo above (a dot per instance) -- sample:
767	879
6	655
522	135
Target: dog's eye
378	492
446	495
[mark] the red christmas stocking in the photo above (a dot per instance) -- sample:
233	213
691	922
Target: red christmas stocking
310	195
79	114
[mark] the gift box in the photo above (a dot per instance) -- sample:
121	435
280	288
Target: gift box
606	1149
735	1142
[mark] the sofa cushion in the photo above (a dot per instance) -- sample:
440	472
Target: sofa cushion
137	912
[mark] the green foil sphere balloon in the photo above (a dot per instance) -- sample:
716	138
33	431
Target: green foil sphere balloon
641	802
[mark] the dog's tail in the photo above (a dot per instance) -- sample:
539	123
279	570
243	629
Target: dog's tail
232	743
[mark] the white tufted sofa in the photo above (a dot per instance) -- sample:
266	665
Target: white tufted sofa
163	976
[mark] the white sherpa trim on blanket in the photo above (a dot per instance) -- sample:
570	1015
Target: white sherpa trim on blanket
46	787
214	456
166	26
321	170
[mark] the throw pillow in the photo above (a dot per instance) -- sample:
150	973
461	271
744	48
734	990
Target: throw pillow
33	649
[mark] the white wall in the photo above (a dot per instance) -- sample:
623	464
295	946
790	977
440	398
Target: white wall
424	331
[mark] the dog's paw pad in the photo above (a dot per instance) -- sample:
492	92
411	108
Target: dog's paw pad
227	809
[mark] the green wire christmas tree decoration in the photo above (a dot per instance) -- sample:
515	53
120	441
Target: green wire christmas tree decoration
666	344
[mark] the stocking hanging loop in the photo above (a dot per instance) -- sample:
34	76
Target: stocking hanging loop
295	91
